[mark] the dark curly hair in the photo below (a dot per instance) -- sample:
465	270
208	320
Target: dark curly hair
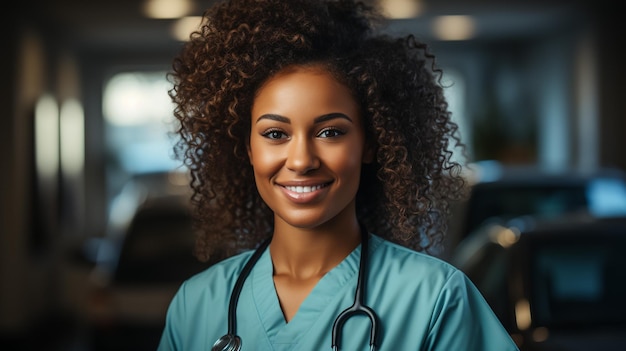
404	194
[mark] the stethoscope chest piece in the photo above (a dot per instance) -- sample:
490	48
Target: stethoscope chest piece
228	342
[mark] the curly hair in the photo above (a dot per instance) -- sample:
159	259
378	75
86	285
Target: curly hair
404	195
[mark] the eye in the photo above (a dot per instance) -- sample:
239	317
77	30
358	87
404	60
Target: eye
330	133
275	134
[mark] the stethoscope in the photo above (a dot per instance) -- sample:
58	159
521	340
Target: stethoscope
232	342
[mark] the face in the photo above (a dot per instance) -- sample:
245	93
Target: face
307	144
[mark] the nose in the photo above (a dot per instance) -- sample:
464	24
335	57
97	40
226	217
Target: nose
302	157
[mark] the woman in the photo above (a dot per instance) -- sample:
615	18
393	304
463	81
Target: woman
325	146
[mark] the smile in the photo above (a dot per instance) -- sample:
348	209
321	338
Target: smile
304	189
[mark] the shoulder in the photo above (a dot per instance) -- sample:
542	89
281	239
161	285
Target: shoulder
219	276
395	261
390	254
208	290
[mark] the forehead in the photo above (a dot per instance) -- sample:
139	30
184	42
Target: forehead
304	84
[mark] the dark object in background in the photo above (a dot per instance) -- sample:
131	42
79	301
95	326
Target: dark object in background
141	263
556	284
158	247
501	192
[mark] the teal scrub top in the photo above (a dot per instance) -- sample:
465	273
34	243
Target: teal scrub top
422	302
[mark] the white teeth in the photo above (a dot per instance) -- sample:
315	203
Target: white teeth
304	189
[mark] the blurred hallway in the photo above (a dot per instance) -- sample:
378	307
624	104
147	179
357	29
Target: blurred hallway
539	83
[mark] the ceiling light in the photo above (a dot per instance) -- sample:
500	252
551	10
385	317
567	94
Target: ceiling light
182	28
399	9
165	9
454	27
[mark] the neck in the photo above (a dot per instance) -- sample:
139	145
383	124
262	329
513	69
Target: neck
309	252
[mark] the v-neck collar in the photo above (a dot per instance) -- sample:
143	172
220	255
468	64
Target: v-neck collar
266	299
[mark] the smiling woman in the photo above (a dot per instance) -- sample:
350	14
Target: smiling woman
326	147
307	134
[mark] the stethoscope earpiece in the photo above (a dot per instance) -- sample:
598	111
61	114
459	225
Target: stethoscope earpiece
228	342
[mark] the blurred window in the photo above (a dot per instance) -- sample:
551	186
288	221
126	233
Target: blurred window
607	197
138	118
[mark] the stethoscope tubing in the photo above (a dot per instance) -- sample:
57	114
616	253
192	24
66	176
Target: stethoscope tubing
358	307
234	296
232	342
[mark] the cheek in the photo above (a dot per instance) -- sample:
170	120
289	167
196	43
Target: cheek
264	162
346	162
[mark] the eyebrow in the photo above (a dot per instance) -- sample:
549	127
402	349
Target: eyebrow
320	119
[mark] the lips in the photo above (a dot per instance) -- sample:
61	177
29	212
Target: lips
304	193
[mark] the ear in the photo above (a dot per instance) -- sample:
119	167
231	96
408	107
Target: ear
369	153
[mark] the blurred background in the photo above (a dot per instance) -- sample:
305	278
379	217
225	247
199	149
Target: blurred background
535	86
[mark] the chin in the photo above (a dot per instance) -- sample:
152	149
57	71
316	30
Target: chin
304	221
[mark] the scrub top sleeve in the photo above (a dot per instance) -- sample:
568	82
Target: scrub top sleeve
463	320
171	336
